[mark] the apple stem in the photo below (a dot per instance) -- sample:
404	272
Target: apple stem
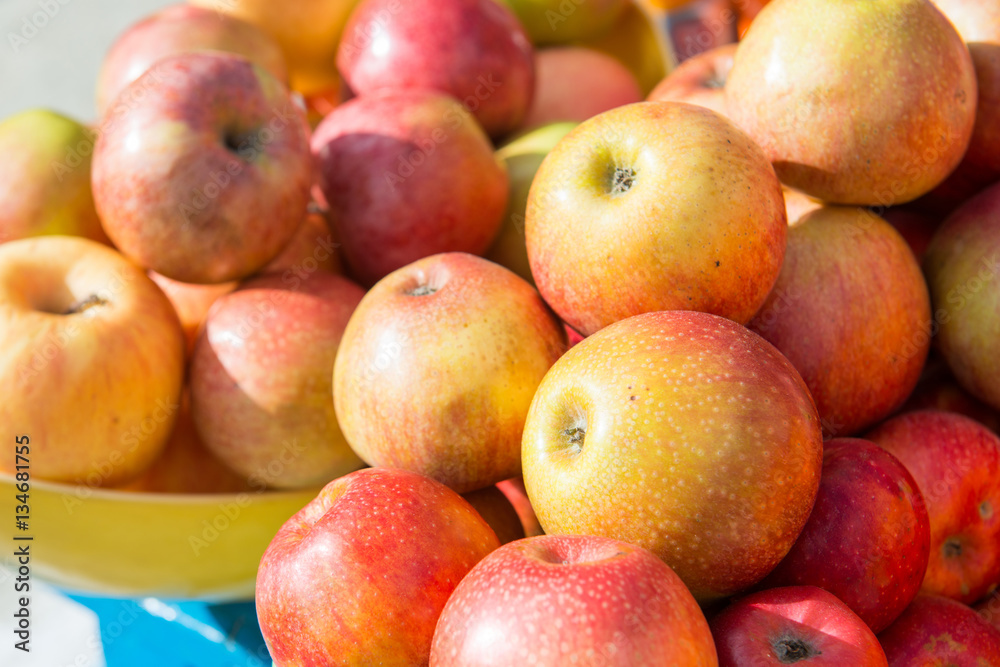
85	304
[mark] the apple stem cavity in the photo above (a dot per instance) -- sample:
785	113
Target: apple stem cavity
422	290
951	548
622	180
84	305
790	651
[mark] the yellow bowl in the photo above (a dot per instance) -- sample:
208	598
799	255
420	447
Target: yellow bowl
128	544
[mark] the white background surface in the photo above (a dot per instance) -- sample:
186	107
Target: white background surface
57	68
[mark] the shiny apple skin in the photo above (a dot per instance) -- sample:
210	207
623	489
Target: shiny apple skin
360	575
202	170
560	600
683	433
699	80
956	464
477	52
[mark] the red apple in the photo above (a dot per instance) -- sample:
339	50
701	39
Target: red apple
634	180
202	171
360	575
818	84
785	626
45	177
839	261
192	302
868	537
937	631
438	366
956	464
313	248
91	359
498	512
180	29
571	600
407	175
699	80
683	433
961	266
477	52
574	83
261	377
513	488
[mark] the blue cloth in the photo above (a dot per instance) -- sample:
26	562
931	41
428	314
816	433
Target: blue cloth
170	633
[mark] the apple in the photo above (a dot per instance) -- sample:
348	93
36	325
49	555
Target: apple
983	155
45	177
360	575
975	20
438	366
683	433
561	22
699	80
819	84
202	171
574	83
935	630
93	361
785	626
867	540
186	466
638	40
515	492
407	175
497	510
477	52
839	261
180	29
558	600
313	248
956	464
307	32
961	266
522	157
673	208
746	11
701	27
261	377
191	301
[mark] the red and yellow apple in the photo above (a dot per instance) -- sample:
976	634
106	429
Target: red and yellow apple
938	631
699	80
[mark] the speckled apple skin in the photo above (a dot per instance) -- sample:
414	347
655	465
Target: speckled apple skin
476	52
746	631
441	383
407	175
955	462
867	102
702	227
868	538
261	379
939	631
180	29
962	264
851	311
96	391
559	600
701	444
360	575
170	192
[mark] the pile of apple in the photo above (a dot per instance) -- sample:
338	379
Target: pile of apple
650	385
